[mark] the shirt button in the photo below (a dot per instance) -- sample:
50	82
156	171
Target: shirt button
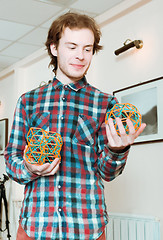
59	186
65	86
62	117
64	99
59	209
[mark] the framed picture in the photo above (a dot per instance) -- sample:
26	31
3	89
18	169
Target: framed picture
148	98
3	134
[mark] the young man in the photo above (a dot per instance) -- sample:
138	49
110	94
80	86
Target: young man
65	201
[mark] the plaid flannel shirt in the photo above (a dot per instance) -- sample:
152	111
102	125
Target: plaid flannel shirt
69	205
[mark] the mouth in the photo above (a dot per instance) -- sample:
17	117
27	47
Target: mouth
78	66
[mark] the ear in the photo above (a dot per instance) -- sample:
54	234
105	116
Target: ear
53	49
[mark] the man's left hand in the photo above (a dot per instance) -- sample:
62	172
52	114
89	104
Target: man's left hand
118	143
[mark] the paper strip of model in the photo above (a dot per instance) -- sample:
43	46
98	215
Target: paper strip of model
43	146
124	111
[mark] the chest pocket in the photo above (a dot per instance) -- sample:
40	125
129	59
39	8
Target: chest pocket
40	120
85	131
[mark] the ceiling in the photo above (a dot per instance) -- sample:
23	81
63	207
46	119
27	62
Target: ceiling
24	23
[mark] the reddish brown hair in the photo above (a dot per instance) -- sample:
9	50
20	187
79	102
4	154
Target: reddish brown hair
71	20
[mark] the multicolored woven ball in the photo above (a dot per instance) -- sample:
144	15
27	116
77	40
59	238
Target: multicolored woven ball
124	111
43	146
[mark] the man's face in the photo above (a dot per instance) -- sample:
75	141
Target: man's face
74	54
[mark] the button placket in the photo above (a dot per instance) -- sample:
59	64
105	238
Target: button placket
59	209
64	99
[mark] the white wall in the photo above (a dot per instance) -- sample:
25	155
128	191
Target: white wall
7	104
134	66
7	95
139	189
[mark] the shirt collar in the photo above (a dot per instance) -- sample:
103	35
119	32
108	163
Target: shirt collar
74	86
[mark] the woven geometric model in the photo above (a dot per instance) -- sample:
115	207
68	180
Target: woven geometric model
43	146
124	111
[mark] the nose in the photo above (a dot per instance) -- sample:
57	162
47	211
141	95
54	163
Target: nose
80	54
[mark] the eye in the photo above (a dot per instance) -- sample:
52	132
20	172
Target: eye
88	49
71	46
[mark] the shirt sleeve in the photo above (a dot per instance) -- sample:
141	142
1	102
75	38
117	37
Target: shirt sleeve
110	164
14	151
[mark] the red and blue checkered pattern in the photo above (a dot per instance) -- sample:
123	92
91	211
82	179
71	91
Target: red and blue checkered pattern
69	205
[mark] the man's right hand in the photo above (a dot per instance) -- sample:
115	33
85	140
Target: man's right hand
46	169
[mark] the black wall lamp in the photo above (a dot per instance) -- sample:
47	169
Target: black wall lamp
136	43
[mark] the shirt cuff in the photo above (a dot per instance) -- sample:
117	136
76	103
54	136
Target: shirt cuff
116	156
120	151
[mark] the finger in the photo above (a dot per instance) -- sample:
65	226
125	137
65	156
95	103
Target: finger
25	150
121	128
26	146
113	130
109	136
140	130
53	171
52	166
116	140
42	169
130	126
131	129
39	169
131	132
125	138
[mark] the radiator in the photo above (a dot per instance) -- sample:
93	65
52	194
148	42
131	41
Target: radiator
131	227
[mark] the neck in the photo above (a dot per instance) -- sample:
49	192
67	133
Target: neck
64	79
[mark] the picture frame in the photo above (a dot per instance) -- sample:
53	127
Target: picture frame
3	134
148	98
